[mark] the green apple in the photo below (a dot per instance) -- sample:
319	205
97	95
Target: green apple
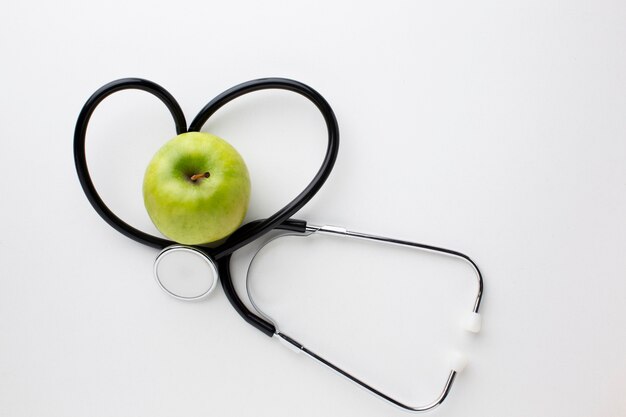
196	189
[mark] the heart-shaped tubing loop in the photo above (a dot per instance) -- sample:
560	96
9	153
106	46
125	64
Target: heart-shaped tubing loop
81	163
250	233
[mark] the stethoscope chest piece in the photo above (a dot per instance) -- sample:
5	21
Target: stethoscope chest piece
185	273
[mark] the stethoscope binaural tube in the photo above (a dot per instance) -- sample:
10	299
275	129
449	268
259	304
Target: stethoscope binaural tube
470	322
251	233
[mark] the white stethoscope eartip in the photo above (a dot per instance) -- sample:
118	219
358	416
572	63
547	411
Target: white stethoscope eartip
458	361
472	322
185	273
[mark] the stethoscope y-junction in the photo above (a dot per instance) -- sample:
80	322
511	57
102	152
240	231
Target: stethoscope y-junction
217	259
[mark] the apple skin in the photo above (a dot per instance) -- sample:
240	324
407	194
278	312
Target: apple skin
201	211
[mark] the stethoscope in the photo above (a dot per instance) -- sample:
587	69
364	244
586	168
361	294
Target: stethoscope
217	259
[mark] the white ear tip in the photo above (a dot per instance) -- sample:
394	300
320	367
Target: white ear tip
472	322
458	362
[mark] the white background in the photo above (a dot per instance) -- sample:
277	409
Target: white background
495	128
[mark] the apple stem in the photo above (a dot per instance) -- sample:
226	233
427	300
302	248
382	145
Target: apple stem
196	177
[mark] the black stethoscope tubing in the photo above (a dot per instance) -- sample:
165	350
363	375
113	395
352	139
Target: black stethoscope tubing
179	119
245	234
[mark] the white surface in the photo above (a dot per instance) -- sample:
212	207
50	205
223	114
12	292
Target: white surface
495	128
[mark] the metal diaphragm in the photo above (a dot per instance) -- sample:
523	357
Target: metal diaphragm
185	273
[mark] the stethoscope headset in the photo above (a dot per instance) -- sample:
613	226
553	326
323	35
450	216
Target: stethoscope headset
218	258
